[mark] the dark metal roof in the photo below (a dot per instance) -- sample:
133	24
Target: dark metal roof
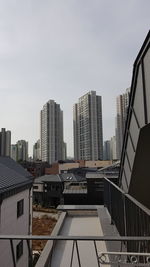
48	178
11	179
10	163
70	177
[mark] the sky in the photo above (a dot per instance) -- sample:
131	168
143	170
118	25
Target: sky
60	50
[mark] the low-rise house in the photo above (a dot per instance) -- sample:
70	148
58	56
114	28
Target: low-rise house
15	212
48	189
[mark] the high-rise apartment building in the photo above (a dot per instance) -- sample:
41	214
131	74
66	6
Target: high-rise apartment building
51	132
19	151
122	106
106	150
113	154
5	142
37	151
110	149
22	147
14	152
88	132
64	151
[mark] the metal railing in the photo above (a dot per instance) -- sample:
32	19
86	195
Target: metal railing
75	257
130	217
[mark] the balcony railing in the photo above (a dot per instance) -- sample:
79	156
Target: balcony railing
75	257
130	217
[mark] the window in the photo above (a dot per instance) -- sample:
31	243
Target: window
35	187
19	250
20	208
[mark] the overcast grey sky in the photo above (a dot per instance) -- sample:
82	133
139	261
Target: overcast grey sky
61	49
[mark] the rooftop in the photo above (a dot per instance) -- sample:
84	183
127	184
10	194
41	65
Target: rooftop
12	175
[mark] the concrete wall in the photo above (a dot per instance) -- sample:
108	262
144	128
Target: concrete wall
97	163
67	166
39	187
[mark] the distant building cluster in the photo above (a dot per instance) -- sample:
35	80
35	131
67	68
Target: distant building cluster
87	133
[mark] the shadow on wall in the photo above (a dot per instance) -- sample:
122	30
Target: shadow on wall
140	178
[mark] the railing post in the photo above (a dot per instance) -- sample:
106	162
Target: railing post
110	203
125	215
12	251
30	253
72	253
96	253
78	256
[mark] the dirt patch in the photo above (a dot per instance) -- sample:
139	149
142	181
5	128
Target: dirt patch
40	208
42	226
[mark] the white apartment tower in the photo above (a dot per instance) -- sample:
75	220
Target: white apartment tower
122	107
51	132
88	130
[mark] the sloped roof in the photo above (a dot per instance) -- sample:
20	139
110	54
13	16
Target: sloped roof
48	178
11	178
10	163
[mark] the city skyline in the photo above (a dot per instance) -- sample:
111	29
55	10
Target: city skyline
61	50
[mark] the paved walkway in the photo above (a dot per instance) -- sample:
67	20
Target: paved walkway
79	226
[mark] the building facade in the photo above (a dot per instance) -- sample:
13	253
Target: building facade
5	143
19	151
51	132
16	211
88	131
122	107
14	152
106	150
37	151
113	151
64	151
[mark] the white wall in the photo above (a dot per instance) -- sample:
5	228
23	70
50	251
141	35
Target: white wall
40	187
10	224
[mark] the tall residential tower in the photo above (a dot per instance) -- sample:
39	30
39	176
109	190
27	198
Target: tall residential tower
5	143
122	107
51	132
88	132
19	151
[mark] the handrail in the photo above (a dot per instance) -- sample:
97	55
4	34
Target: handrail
75	238
136	202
